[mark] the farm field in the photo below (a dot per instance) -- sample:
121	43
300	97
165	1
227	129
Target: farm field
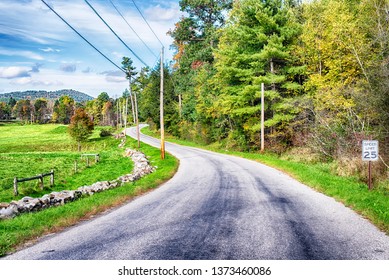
28	150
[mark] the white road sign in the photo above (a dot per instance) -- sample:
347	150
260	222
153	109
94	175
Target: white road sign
370	150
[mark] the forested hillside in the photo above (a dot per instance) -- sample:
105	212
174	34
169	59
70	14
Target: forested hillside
324	64
49	95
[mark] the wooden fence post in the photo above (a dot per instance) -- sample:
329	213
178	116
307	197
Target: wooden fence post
52	178
75	166
16	186
41	181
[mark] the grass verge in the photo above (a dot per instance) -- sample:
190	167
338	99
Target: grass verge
373	205
27	227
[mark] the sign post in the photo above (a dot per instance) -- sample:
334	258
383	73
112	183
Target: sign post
262	117
370	153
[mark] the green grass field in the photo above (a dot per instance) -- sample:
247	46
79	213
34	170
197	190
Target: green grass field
29	150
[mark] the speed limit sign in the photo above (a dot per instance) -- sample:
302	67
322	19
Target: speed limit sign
370	150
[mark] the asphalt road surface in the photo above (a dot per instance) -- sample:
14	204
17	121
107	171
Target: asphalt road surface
220	207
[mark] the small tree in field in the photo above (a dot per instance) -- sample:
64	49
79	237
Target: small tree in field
81	126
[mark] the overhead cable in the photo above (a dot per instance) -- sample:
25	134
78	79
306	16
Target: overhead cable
117	36
133	29
147	23
78	33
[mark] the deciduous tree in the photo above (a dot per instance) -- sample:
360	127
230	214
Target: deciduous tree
81	126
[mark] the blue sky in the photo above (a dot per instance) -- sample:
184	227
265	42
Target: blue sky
38	51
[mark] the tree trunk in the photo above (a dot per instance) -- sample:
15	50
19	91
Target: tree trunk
273	85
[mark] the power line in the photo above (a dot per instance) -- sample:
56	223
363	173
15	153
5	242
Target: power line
147	23
117	36
78	33
133	29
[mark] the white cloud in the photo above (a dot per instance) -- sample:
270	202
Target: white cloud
115	79
22	81
35	68
159	13
114	76
26	54
48	49
118	55
31	21
29	81
87	70
68	67
89	83
14	72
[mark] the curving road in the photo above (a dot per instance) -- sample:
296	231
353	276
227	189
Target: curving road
220	207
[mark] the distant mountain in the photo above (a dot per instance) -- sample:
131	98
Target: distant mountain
53	95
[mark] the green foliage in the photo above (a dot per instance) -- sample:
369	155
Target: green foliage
23	109
149	99
41	109
338	46
255	47
101	110
63	109
128	67
5	111
81	126
103	97
323	62
195	37
104	132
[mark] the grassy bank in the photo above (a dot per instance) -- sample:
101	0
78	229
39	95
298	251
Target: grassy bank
374	205
27	227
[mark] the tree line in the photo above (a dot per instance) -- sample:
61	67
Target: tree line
324	64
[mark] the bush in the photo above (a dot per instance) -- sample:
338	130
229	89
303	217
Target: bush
106	132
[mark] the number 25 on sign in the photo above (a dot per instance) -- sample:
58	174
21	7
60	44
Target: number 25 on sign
369	150
370	153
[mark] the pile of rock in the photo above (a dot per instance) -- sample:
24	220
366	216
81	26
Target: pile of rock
29	204
141	166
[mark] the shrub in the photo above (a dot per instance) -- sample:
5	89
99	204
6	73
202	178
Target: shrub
104	132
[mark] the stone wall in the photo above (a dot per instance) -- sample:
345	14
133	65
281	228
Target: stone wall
29	204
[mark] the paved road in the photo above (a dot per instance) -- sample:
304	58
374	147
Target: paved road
220	207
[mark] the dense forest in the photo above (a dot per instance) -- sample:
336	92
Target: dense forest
324	64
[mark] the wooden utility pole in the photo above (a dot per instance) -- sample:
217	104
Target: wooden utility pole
136	111
126	112
162	125
132	107
118	112
262	117
137	120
